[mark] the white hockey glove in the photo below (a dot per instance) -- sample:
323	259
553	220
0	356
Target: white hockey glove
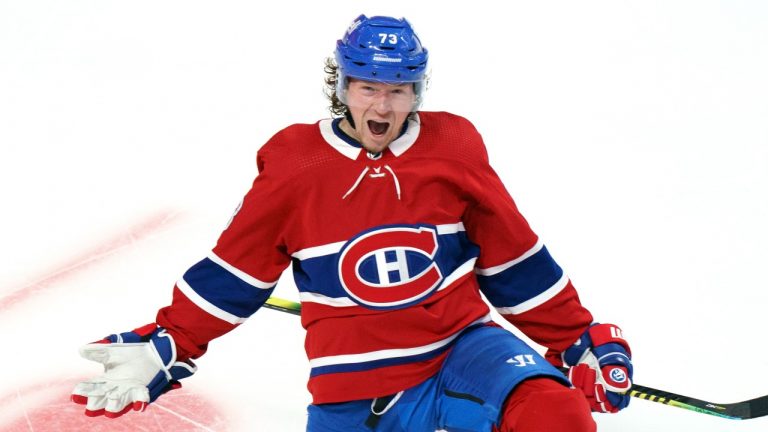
139	366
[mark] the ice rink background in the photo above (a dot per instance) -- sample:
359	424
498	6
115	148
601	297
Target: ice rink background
633	136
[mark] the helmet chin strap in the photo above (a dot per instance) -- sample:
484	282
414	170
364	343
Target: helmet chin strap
348	116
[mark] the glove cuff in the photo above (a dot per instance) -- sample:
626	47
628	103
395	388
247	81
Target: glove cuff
602	334
576	352
163	345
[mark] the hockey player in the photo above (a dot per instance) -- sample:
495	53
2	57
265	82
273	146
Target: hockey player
395	224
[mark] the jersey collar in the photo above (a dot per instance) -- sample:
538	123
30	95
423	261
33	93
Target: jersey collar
342	143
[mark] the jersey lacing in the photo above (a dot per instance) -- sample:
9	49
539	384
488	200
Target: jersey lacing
377	173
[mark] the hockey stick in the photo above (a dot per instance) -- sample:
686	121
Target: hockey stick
283	305
745	410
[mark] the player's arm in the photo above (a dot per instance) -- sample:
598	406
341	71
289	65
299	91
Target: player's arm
237	277
537	297
529	289
212	298
518	275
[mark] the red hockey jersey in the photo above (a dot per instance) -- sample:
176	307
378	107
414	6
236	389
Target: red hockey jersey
390	254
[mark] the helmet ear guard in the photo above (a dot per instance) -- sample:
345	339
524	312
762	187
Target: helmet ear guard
381	49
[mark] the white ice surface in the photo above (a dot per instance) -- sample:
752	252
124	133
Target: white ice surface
633	135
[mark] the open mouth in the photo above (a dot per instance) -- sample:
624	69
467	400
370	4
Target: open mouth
378	128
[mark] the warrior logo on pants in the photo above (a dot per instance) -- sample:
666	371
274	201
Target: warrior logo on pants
392	267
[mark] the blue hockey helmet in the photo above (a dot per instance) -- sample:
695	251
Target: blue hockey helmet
381	49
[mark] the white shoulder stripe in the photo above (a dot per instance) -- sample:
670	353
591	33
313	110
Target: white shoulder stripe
245	277
318	251
207	306
332	248
450	228
500	268
536	301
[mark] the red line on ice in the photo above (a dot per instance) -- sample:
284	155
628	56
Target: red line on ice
46	406
87	259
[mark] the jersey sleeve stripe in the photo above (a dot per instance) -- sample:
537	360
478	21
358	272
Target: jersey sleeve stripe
536	301
525	280
206	306
490	271
224	291
250	280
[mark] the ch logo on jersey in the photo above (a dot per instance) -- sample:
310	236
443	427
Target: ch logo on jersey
390	267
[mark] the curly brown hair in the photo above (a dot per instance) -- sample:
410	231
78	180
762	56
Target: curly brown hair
337	107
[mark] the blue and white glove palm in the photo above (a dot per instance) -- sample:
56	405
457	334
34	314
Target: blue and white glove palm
139	366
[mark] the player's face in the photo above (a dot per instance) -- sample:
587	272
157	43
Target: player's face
379	111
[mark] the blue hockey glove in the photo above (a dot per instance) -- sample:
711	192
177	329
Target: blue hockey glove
601	366
139	366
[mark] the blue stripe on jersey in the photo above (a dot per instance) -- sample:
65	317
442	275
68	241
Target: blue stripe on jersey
318	275
375	364
403	358
523	281
224	290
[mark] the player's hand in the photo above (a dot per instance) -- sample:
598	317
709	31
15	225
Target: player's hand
139	366
601	366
